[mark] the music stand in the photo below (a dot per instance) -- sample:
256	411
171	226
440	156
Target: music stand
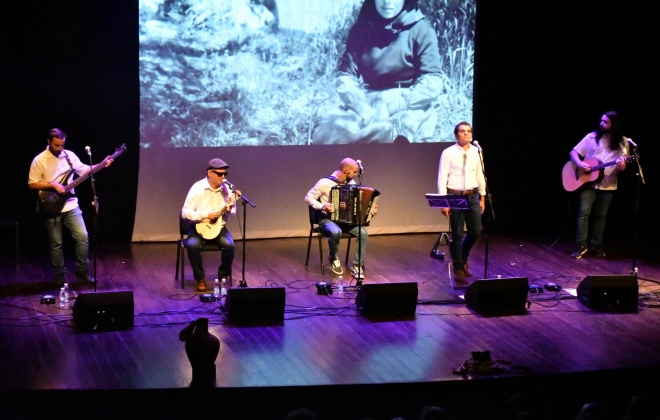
451	201
458	202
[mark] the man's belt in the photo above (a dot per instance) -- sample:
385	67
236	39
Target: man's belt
461	192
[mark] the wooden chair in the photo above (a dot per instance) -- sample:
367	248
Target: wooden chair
182	244
315	229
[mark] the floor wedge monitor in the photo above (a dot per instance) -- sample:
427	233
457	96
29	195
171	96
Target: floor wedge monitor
609	293
255	304
501	296
104	311
387	298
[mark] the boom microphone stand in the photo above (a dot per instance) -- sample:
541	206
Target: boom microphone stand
95	203
489	204
640	181
245	200
358	283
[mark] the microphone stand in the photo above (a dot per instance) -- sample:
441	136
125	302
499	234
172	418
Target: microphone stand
95	203
358	283
245	200
489	205
640	181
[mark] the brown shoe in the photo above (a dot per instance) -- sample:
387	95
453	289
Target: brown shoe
468	273
201	286
459	275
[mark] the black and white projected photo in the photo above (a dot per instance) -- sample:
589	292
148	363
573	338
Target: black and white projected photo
304	72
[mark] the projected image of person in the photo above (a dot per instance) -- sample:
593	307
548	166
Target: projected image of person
388	78
318	197
460	173
208	204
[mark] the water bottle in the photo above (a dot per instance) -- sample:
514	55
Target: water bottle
340	288
224	287
66	295
216	288
62	298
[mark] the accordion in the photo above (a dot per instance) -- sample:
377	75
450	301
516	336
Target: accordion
348	200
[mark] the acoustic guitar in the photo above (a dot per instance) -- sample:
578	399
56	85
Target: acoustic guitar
573	177
50	203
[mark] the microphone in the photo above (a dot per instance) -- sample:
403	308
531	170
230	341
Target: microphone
88	150
229	184
476	144
359	162
632	143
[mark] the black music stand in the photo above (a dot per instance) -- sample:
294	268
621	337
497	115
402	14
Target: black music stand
458	202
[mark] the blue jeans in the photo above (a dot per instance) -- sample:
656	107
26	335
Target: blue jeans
73	220
333	232
224	241
459	220
595	204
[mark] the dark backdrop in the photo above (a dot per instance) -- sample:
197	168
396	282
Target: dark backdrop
544	75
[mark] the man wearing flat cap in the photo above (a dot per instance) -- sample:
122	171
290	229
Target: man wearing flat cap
209	202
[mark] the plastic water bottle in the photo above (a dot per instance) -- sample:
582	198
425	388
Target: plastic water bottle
223	291
340	288
62	298
66	295
216	288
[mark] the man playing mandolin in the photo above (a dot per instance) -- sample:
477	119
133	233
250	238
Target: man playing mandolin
209	202
51	173
606	144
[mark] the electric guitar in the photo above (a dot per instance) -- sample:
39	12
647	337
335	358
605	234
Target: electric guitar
50	203
211	229
573	177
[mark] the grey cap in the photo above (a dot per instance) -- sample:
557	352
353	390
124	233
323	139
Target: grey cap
217	163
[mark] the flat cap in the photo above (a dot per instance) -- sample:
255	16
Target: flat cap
217	163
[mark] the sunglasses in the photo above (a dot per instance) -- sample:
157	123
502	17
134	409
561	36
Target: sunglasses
220	173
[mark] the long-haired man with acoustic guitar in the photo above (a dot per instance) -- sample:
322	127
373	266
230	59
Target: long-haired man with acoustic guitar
596	161
208	203
51	173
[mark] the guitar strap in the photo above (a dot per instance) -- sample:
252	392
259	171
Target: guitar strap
334	178
66	175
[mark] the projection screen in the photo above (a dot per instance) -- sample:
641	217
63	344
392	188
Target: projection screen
268	87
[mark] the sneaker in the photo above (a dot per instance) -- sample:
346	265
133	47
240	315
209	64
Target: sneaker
82	275
357	272
579	252
335	264
201	285
598	252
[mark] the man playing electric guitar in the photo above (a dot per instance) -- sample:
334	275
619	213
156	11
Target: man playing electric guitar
606	144
50	171
208	203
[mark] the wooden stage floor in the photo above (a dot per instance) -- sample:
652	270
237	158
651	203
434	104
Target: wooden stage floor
326	354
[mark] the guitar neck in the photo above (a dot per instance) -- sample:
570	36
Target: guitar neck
84	176
94	169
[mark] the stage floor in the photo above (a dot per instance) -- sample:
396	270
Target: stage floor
324	340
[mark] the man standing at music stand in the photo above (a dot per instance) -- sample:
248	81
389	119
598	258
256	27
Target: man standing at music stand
460	173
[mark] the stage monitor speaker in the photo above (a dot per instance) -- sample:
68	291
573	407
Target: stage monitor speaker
506	296
104	311
609	293
387	299
255	305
